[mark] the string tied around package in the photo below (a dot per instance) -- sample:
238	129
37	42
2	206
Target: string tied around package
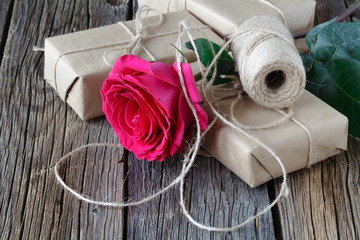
132	46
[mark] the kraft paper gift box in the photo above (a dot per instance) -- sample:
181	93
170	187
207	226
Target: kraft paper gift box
224	16
290	142
74	63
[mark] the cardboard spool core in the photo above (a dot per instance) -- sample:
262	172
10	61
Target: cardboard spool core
275	79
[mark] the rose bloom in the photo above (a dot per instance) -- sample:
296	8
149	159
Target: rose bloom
146	106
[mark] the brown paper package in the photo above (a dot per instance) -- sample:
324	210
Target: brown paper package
80	74
254	164
225	16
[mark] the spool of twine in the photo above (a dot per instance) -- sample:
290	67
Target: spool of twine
270	68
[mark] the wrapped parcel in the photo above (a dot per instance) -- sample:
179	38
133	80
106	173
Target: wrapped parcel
252	163
225	16
75	65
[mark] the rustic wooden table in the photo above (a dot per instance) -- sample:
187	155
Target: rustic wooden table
37	128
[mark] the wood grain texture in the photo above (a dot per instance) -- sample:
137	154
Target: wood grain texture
214	196
324	200
6	7
328	9
37	128
353	182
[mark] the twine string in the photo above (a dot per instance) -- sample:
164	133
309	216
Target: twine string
190	154
38	49
87	199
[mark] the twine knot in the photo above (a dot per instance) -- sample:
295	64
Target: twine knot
134	46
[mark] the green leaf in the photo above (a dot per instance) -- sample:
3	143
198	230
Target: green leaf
335	73
311	37
224	64
183	56
307	60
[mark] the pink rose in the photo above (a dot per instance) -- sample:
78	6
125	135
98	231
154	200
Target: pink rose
146	106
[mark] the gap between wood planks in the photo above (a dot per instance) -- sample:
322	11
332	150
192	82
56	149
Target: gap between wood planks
275	211
6	24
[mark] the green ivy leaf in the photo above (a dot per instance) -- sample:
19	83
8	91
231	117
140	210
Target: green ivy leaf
224	64
307	60
334	75
311	37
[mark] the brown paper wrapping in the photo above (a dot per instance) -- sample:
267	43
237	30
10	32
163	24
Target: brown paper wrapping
79	75
301	45
290	142
225	16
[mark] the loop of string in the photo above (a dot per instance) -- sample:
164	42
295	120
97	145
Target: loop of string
136	43
104	203
190	154
275	8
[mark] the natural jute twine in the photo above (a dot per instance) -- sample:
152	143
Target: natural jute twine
271	70
207	91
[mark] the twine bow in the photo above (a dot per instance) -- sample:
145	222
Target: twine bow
135	44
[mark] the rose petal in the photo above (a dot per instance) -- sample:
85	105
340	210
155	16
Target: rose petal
166	73
203	117
128	64
185	118
167	95
131	110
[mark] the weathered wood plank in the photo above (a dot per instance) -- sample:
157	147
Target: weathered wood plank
323	201
37	128
6	7
328	9
353	182
218	197
214	196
